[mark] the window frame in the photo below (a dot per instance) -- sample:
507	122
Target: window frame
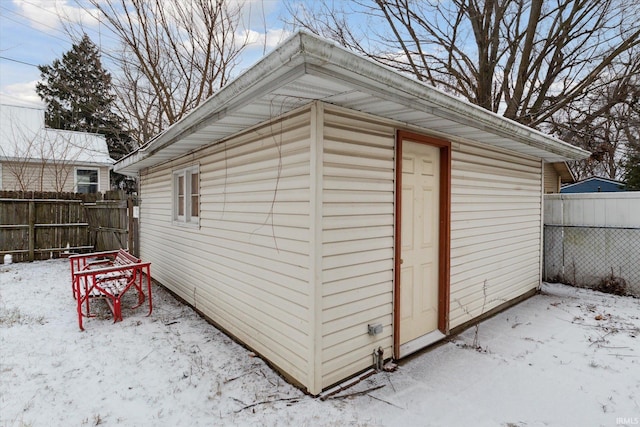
185	200
86	168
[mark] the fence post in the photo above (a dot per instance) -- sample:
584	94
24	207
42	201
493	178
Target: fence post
130	225
32	230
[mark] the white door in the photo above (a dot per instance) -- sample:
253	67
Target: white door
419	245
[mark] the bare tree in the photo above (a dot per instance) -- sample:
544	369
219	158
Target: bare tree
15	151
524	59
606	121
173	54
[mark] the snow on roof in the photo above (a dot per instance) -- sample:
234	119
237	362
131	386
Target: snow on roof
23	136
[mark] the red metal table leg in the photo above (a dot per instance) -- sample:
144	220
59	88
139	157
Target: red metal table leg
148	268
117	309
76	292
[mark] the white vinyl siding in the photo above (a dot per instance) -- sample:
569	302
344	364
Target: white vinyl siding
38	177
247	266
105	179
20	176
357	237
295	251
551	179
495	229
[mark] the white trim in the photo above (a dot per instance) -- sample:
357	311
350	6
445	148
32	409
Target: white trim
0	176
420	343
76	163
541	245
186	219
315	234
595	196
75	177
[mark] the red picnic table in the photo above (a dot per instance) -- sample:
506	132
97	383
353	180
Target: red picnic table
108	276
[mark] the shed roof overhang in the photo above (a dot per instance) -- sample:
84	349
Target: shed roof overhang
562	169
306	68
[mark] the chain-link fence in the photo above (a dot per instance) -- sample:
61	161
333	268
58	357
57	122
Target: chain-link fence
603	258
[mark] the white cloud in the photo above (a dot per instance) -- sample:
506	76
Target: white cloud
259	23
254	12
268	40
48	15
21	94
276	36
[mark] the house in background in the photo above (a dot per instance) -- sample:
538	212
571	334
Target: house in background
555	176
594	184
328	211
36	158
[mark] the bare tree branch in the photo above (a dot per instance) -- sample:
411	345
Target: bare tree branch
40	159
605	122
525	59
173	55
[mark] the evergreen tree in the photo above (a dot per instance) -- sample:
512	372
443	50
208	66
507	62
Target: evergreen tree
78	94
632	169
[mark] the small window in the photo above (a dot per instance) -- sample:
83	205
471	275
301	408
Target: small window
87	180
195	194
186	199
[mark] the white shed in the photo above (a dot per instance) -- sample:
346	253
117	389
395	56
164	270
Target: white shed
322	206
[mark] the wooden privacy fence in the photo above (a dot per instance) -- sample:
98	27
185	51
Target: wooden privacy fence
36	226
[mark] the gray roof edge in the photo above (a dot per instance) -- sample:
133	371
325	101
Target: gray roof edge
258	75
304	47
329	52
593	178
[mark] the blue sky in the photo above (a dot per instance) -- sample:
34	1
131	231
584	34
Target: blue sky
31	34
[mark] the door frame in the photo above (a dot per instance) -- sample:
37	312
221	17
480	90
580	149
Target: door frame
444	253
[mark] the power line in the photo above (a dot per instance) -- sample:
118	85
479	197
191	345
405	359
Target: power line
32	28
142	90
63	17
68	41
104	51
18	61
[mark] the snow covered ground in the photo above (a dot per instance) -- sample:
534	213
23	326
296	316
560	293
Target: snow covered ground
566	357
